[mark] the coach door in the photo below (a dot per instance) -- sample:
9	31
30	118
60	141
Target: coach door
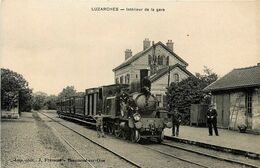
223	109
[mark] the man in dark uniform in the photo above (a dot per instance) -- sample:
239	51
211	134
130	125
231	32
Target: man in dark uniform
212	120
176	120
146	86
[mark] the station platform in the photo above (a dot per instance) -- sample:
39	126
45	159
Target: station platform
228	140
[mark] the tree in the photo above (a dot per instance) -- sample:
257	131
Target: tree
67	92
13	84
190	91
39	100
51	102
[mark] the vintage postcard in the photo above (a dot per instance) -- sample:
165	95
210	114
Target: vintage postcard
136	83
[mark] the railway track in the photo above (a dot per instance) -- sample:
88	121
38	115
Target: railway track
65	140
242	164
211	156
150	147
177	157
94	142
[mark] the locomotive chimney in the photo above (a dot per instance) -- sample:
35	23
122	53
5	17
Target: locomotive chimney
170	44
128	53
147	43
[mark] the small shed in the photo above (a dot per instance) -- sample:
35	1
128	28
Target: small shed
236	97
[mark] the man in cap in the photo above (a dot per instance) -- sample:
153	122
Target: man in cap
212	120
176	120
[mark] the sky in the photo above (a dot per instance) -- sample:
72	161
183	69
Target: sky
59	43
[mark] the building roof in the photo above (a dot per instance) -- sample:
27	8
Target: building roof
138	55
237	78
165	70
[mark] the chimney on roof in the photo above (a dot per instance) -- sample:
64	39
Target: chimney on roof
147	43
128	53
170	44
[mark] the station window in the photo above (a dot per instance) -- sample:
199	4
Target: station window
167	60
127	79
149	59
159	98
249	103
176	78
117	81
121	79
160	60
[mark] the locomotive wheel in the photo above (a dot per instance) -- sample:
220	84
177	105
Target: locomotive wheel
117	133
125	135
117	130
135	136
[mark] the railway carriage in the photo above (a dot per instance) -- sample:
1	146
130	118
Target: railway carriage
125	114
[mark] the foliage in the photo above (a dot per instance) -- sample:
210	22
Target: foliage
51	102
67	92
11	84
190	91
39	100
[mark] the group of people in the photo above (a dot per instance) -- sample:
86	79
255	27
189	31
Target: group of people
211	121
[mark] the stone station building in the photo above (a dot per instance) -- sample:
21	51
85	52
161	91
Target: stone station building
157	61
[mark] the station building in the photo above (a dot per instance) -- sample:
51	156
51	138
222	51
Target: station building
236	97
159	62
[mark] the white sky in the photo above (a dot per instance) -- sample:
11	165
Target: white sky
56	43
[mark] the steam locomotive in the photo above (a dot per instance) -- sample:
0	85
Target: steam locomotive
130	115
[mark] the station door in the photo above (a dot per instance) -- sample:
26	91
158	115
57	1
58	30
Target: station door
223	109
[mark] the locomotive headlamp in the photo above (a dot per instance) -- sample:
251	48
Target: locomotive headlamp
137	116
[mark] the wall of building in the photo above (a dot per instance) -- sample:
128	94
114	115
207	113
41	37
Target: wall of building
143	63
122	73
256	110
159	50
159	86
241	117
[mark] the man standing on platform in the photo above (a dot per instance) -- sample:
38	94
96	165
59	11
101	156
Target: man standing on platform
176	120
212	120
99	124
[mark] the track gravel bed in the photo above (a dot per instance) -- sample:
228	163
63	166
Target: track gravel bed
28	143
215	153
203	160
135	152
98	156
